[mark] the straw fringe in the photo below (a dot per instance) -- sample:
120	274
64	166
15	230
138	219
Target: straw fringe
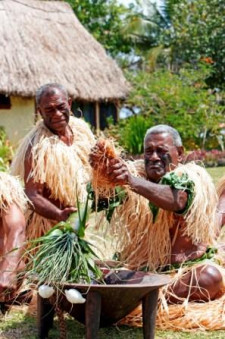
202	316
186	316
11	192
64	170
37	225
201	216
140	242
144	243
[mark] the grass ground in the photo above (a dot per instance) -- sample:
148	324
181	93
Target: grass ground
19	325
216	173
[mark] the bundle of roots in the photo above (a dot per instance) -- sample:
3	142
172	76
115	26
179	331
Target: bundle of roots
102	153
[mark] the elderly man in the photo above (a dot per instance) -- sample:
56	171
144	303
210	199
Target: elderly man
53	161
12	234
167	221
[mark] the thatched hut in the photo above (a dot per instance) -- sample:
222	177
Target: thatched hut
42	42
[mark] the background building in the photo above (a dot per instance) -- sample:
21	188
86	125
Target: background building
42	42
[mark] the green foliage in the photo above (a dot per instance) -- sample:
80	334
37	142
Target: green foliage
129	133
197	32
62	254
6	151
143	26
187	31
133	134
104	20
167	7
180	100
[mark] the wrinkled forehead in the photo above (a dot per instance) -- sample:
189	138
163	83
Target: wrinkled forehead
53	94
158	139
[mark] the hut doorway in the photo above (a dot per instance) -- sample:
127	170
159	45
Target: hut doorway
96	114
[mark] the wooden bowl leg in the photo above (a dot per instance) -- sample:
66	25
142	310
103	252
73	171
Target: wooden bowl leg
149	308
92	315
45	315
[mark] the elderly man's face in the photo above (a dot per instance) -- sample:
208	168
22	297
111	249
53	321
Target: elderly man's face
160	155
55	110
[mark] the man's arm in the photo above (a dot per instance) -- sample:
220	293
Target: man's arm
41	204
221	210
13	227
163	196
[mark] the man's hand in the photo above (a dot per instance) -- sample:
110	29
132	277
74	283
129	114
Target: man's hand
118	172
65	213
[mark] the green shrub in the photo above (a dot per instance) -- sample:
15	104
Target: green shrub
129	133
6	151
132	135
182	101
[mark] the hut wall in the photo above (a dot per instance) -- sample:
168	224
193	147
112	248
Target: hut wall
19	119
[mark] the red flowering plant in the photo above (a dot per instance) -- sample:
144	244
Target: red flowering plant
210	158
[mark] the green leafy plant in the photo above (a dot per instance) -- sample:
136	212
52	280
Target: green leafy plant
181	100
197	33
6	151
62	254
133	134
104	20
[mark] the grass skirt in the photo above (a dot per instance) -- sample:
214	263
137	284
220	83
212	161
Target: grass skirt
11	192
185	316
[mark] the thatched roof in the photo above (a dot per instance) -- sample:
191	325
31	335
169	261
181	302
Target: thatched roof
42	42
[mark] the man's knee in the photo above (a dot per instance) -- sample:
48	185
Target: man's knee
203	283
209	276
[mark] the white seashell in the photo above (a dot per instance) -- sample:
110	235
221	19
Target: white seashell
74	296
45	291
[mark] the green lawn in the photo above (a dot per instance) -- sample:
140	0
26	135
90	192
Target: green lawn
216	173
18	325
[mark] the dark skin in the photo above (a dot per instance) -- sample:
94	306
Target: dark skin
12	235
55	111
161	156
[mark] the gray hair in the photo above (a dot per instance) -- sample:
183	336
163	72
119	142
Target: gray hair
49	89
165	129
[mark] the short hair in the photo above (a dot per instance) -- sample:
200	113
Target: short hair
49	89
165	129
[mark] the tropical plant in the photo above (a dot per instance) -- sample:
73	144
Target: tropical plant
181	31
181	100
62	254
144	25
133	133
104	20
197	33
6	151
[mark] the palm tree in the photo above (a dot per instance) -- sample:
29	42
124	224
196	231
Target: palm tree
145	27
